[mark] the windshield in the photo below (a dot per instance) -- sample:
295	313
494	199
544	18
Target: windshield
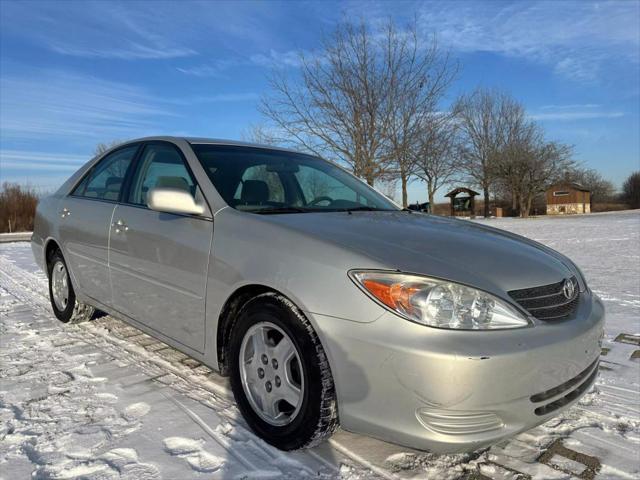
271	181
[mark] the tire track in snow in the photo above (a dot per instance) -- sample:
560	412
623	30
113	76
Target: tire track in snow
32	289
587	421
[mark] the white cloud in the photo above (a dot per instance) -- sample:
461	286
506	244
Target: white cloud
40	158
25	165
571	112
96	29
271	59
289	58
575	38
52	106
228	97
214	68
217	98
571	106
45	170
58	104
568	116
132	51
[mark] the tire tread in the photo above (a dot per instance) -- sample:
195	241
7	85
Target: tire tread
81	312
328	421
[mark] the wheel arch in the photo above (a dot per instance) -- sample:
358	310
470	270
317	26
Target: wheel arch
228	315
230	311
50	246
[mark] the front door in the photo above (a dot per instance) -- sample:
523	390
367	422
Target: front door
159	261
85	218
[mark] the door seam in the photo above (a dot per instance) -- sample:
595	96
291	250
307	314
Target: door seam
109	255
206	289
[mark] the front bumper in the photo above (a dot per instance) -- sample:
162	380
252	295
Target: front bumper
450	391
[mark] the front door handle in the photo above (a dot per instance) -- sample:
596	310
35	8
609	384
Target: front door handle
65	212
120	226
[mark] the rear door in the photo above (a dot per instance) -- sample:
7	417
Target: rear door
159	261
85	217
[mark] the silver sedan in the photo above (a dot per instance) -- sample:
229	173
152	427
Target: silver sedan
324	302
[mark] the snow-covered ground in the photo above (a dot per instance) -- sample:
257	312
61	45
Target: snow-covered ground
103	401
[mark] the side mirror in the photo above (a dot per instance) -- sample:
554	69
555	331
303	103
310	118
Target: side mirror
173	200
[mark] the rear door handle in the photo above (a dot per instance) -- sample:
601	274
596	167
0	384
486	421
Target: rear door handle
65	212
120	226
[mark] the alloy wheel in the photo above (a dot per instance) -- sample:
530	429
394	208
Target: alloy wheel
60	285
271	373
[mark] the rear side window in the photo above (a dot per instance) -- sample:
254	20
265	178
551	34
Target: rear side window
105	180
161	165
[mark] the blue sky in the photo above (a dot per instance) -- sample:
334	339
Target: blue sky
73	74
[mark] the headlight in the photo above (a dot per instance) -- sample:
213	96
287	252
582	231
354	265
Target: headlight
438	303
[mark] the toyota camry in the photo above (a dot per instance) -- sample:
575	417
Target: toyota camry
324	302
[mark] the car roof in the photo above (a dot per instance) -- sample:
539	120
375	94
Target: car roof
212	141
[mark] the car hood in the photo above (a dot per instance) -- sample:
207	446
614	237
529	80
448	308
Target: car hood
451	249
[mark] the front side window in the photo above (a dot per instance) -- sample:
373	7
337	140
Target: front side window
255	177
161	165
262	181
105	180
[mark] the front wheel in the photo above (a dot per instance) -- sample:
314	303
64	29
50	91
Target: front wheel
280	375
63	298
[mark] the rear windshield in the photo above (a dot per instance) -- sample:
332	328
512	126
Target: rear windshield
271	181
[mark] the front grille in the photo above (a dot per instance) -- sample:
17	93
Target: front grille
548	302
554	392
591	371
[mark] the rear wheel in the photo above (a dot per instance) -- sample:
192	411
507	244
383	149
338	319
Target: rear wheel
63	298
280	376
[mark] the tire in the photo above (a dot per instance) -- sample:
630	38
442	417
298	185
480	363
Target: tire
314	418
65	307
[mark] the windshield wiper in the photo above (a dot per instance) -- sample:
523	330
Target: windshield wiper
267	211
363	209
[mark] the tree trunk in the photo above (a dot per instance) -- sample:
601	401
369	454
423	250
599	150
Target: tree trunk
404	180
529	202
431	199
524	206
485	192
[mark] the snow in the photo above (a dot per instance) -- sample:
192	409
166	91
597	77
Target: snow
102	400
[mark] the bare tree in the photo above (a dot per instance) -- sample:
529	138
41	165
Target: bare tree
420	76
388	188
259	133
516	137
438	150
523	162
537	164
17	207
600	188
102	147
339	107
479	117
631	190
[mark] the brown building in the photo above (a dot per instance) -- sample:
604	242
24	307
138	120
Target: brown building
564	198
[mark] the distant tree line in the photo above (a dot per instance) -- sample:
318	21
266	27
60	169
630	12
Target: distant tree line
631	190
17	208
372	101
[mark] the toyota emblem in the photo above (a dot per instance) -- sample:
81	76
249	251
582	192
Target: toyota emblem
568	289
